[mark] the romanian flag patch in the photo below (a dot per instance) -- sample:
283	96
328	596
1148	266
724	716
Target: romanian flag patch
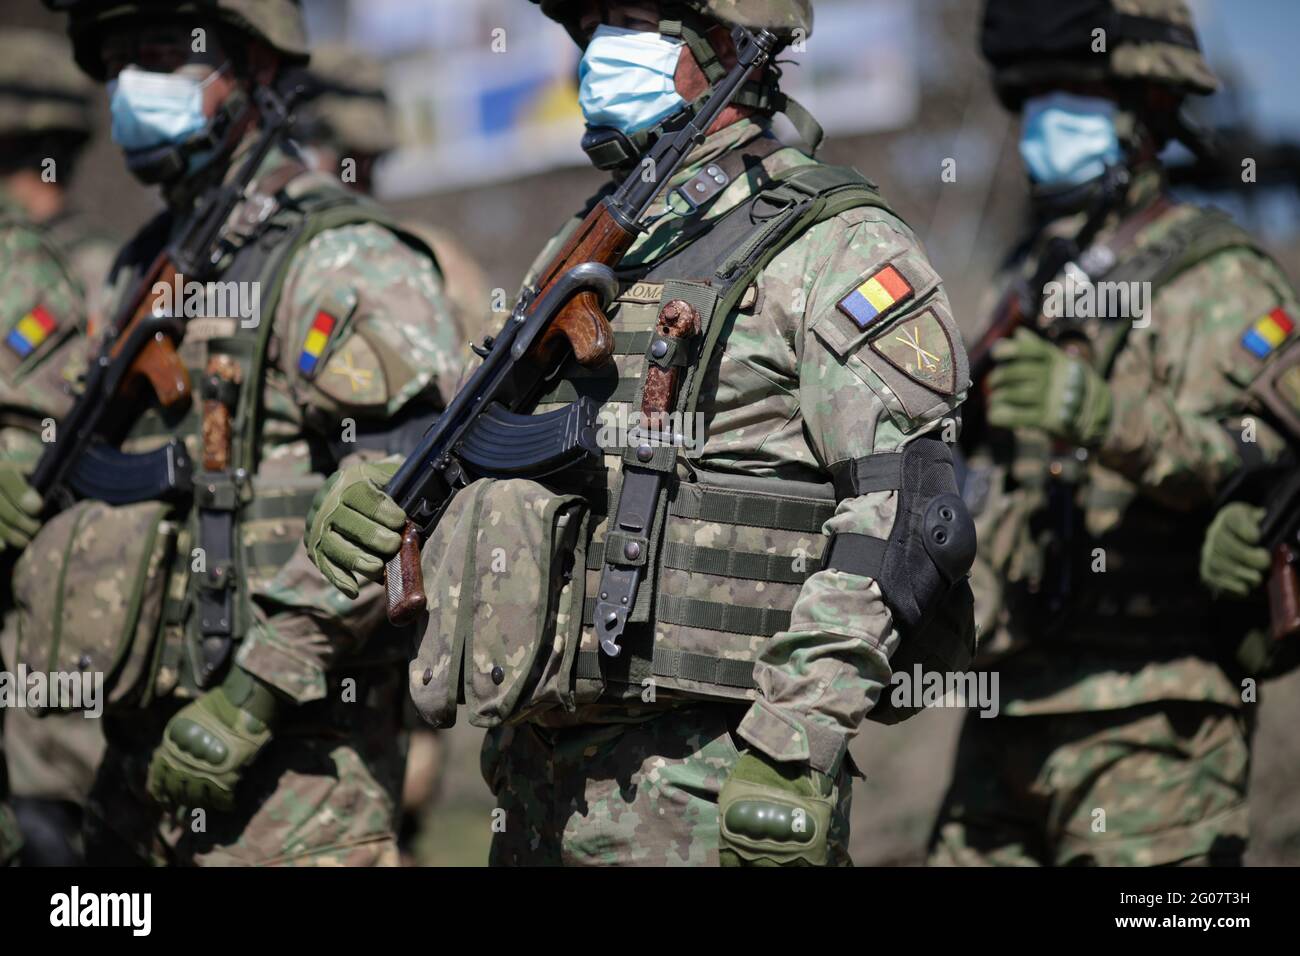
317	338
1268	333
32	329
880	294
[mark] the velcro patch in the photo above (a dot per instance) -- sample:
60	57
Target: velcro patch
32	329
919	346
318	337
880	294
1267	333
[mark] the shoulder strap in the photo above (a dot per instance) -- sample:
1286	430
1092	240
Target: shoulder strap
300	217
776	216
1187	244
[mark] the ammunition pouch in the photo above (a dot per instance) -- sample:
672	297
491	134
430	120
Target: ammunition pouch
90	592
504	575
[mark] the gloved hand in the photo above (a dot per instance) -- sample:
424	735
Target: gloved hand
353	527
20	509
775	814
1037	385
209	743
1232	562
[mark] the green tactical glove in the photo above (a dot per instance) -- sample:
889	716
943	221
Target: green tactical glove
353	527
1232	562
1037	385
774	814
207	745
20	508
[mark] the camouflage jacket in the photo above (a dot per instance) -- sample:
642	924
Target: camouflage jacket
799	386
1135	625
360	333
41	307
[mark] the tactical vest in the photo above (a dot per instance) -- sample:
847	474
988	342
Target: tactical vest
727	555
1151	551
246	522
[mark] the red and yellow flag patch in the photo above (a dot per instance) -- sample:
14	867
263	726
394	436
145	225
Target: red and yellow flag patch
32	329
1268	332
318	337
880	294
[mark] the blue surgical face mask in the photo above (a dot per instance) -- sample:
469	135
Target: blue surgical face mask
156	109
626	79
1068	140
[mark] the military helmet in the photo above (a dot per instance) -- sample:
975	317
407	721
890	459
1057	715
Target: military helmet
344	101
1035	42
782	17
41	89
277	23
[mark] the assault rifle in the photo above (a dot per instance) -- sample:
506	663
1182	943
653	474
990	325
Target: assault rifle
139	351
483	432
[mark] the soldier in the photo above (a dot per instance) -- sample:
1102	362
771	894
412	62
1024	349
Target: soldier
251	713
344	128
1122	737
45	123
789	568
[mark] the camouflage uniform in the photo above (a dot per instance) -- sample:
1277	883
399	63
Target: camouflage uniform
1122	737
347	116
598	760
58	265
353	336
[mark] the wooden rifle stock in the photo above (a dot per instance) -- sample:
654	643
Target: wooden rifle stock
580	324
157	362
404	579
1284	593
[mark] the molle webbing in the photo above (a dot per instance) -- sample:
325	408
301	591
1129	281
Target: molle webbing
251	524
720	264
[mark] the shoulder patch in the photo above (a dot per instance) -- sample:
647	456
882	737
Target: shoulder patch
921	348
30	331
877	296
1278	389
1267	333
316	342
354	374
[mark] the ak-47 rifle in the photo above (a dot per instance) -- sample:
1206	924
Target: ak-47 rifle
482	432
139	351
1280	532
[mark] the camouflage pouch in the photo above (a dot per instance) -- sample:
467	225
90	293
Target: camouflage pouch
89	593
504	575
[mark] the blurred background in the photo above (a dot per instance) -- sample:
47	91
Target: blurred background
486	113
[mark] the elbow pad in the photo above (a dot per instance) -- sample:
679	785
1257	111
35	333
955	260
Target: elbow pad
922	567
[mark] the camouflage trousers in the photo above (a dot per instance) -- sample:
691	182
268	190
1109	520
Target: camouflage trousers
1158	784
629	794
323	793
